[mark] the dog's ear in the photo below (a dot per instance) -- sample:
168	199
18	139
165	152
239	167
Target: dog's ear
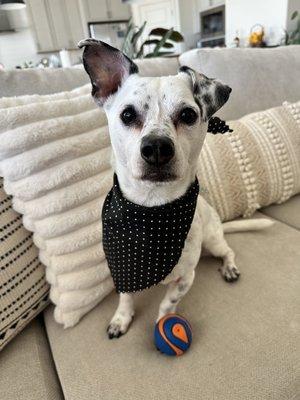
106	66
209	94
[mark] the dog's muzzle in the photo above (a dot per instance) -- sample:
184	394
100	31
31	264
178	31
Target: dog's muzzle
157	151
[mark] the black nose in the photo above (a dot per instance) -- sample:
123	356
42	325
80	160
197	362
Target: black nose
157	150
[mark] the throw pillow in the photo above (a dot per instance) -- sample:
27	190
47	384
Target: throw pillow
23	286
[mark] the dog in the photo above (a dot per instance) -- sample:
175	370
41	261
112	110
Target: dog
168	116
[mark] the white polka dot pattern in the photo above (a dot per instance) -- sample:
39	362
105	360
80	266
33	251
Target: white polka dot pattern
143	244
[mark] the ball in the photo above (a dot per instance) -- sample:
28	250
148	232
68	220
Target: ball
172	335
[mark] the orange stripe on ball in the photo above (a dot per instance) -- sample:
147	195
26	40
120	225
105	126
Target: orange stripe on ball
178	352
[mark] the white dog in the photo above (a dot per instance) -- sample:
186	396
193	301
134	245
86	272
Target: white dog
171	114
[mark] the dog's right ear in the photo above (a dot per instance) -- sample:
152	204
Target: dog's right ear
106	66
209	94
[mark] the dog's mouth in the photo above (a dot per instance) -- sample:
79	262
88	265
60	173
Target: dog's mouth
158	176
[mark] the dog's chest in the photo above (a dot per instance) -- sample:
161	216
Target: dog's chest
191	252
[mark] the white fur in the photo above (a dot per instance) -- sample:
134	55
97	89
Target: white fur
163	96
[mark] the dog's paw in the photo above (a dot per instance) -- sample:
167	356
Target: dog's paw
117	327
230	273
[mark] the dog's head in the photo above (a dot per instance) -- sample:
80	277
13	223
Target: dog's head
157	125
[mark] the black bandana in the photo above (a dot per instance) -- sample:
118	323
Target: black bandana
143	244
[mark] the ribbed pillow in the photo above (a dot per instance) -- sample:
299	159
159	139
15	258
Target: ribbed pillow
23	286
256	165
54	156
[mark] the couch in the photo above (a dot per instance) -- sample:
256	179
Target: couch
246	335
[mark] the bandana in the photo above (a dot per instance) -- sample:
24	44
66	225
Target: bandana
217	125
142	245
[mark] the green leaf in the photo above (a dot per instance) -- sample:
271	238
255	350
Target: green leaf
146	42
127	46
132	35
168	45
164	53
175	37
150	41
138	34
162	42
159	54
294	15
140	53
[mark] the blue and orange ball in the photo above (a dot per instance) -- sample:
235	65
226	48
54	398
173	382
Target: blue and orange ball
173	335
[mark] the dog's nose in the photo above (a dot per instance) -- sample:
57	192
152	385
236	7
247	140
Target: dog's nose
157	150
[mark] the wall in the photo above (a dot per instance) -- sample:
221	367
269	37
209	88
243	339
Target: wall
241	15
17	47
292	6
190	18
189	22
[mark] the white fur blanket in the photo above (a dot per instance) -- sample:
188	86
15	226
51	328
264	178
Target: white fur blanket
54	157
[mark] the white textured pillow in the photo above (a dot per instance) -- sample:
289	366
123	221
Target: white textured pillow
256	165
54	156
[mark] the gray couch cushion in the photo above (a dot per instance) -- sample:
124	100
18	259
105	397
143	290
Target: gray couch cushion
288	212
246	335
260	78
27	369
40	81
158	66
50	80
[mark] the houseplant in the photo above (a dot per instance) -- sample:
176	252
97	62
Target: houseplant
159	39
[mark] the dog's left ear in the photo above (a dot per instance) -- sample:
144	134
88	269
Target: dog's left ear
106	66
209	94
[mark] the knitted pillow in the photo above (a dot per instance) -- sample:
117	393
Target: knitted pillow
54	156
23	287
256	165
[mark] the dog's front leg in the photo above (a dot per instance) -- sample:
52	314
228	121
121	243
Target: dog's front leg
122	317
176	290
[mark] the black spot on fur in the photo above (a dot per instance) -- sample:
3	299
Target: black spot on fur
184	68
182	287
204	84
222	93
197	100
210	110
133	67
196	88
146	106
207	98
94	89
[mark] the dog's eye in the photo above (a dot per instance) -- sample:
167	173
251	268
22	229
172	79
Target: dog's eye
129	115
188	116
